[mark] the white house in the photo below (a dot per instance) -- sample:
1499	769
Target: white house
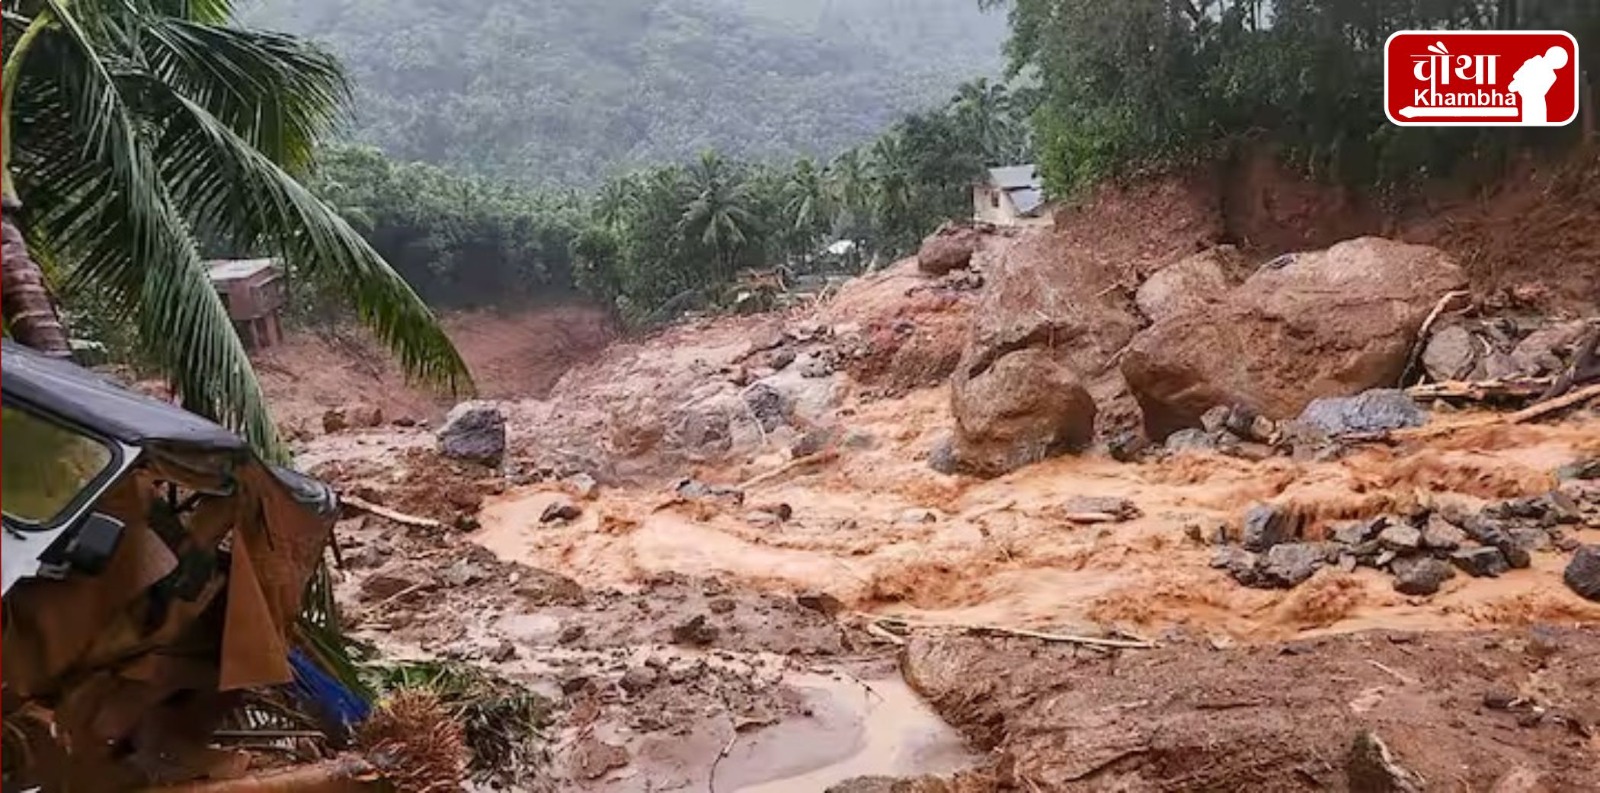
1011	196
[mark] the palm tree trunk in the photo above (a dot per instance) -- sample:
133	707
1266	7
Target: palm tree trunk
24	300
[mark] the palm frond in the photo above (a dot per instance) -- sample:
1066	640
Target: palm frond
218	176
278	93
102	206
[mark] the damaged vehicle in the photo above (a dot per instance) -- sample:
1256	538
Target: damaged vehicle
154	576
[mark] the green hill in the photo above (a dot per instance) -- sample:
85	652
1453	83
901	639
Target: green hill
563	92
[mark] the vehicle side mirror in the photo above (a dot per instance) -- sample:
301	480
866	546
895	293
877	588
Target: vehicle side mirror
94	542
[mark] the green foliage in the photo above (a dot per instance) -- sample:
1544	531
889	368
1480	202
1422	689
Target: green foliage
567	92
1147	82
458	240
504	723
135	129
658	238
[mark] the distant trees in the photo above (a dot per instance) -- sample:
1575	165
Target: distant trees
641	240
1139	82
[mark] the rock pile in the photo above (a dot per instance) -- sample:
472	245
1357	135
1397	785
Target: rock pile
1501	348
1240	431
1422	550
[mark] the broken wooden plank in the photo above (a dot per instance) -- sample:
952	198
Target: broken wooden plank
1062	638
356	502
1482	390
1560	403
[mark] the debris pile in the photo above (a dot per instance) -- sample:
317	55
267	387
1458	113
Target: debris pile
1422	550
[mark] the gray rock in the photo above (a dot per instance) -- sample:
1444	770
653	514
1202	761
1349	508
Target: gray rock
859	440
943	457
1215	419
1400	538
695	490
1288	565
1385	559
1266	525
1126	446
1531	540
1482	562
814	366
1484	528
917	515
1421	575
639	679
1583	572
1583	469
1371	768
1191	440
767	405
584	485
1371	411
474	431
560	509
780	359
1240	563
1120	508
1450	354
1356	532
1439	534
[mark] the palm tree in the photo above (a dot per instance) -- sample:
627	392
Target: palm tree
806	202
986	114
892	188
131	127
718	213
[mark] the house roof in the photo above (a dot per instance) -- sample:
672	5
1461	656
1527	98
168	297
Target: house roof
1022	185
235	269
1016	177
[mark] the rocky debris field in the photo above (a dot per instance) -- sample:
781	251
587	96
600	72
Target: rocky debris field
1019	514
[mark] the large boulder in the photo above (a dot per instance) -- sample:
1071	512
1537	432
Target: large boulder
1187	284
474	431
949	248
1327	323
1024	407
1035	364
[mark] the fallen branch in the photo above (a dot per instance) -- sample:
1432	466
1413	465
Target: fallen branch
1404	678
885	634
711	781
1482	390
1423	333
1090	518
1062	638
362	504
1560	403
820	458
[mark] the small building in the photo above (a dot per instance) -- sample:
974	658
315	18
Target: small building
254	293
1011	196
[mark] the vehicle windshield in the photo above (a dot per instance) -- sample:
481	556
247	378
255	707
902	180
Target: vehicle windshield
45	467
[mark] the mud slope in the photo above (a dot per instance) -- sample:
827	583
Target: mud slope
514	354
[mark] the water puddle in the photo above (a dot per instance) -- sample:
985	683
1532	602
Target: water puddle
857	728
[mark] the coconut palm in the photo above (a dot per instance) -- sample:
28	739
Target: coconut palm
132	127
718	213
986	113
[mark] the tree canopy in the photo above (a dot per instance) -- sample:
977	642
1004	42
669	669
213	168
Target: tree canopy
1138	82
569	92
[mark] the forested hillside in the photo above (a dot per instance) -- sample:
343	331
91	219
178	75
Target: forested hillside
565	92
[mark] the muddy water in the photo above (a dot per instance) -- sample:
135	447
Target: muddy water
858	728
1000	552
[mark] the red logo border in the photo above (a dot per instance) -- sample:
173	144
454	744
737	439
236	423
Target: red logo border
1577	90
